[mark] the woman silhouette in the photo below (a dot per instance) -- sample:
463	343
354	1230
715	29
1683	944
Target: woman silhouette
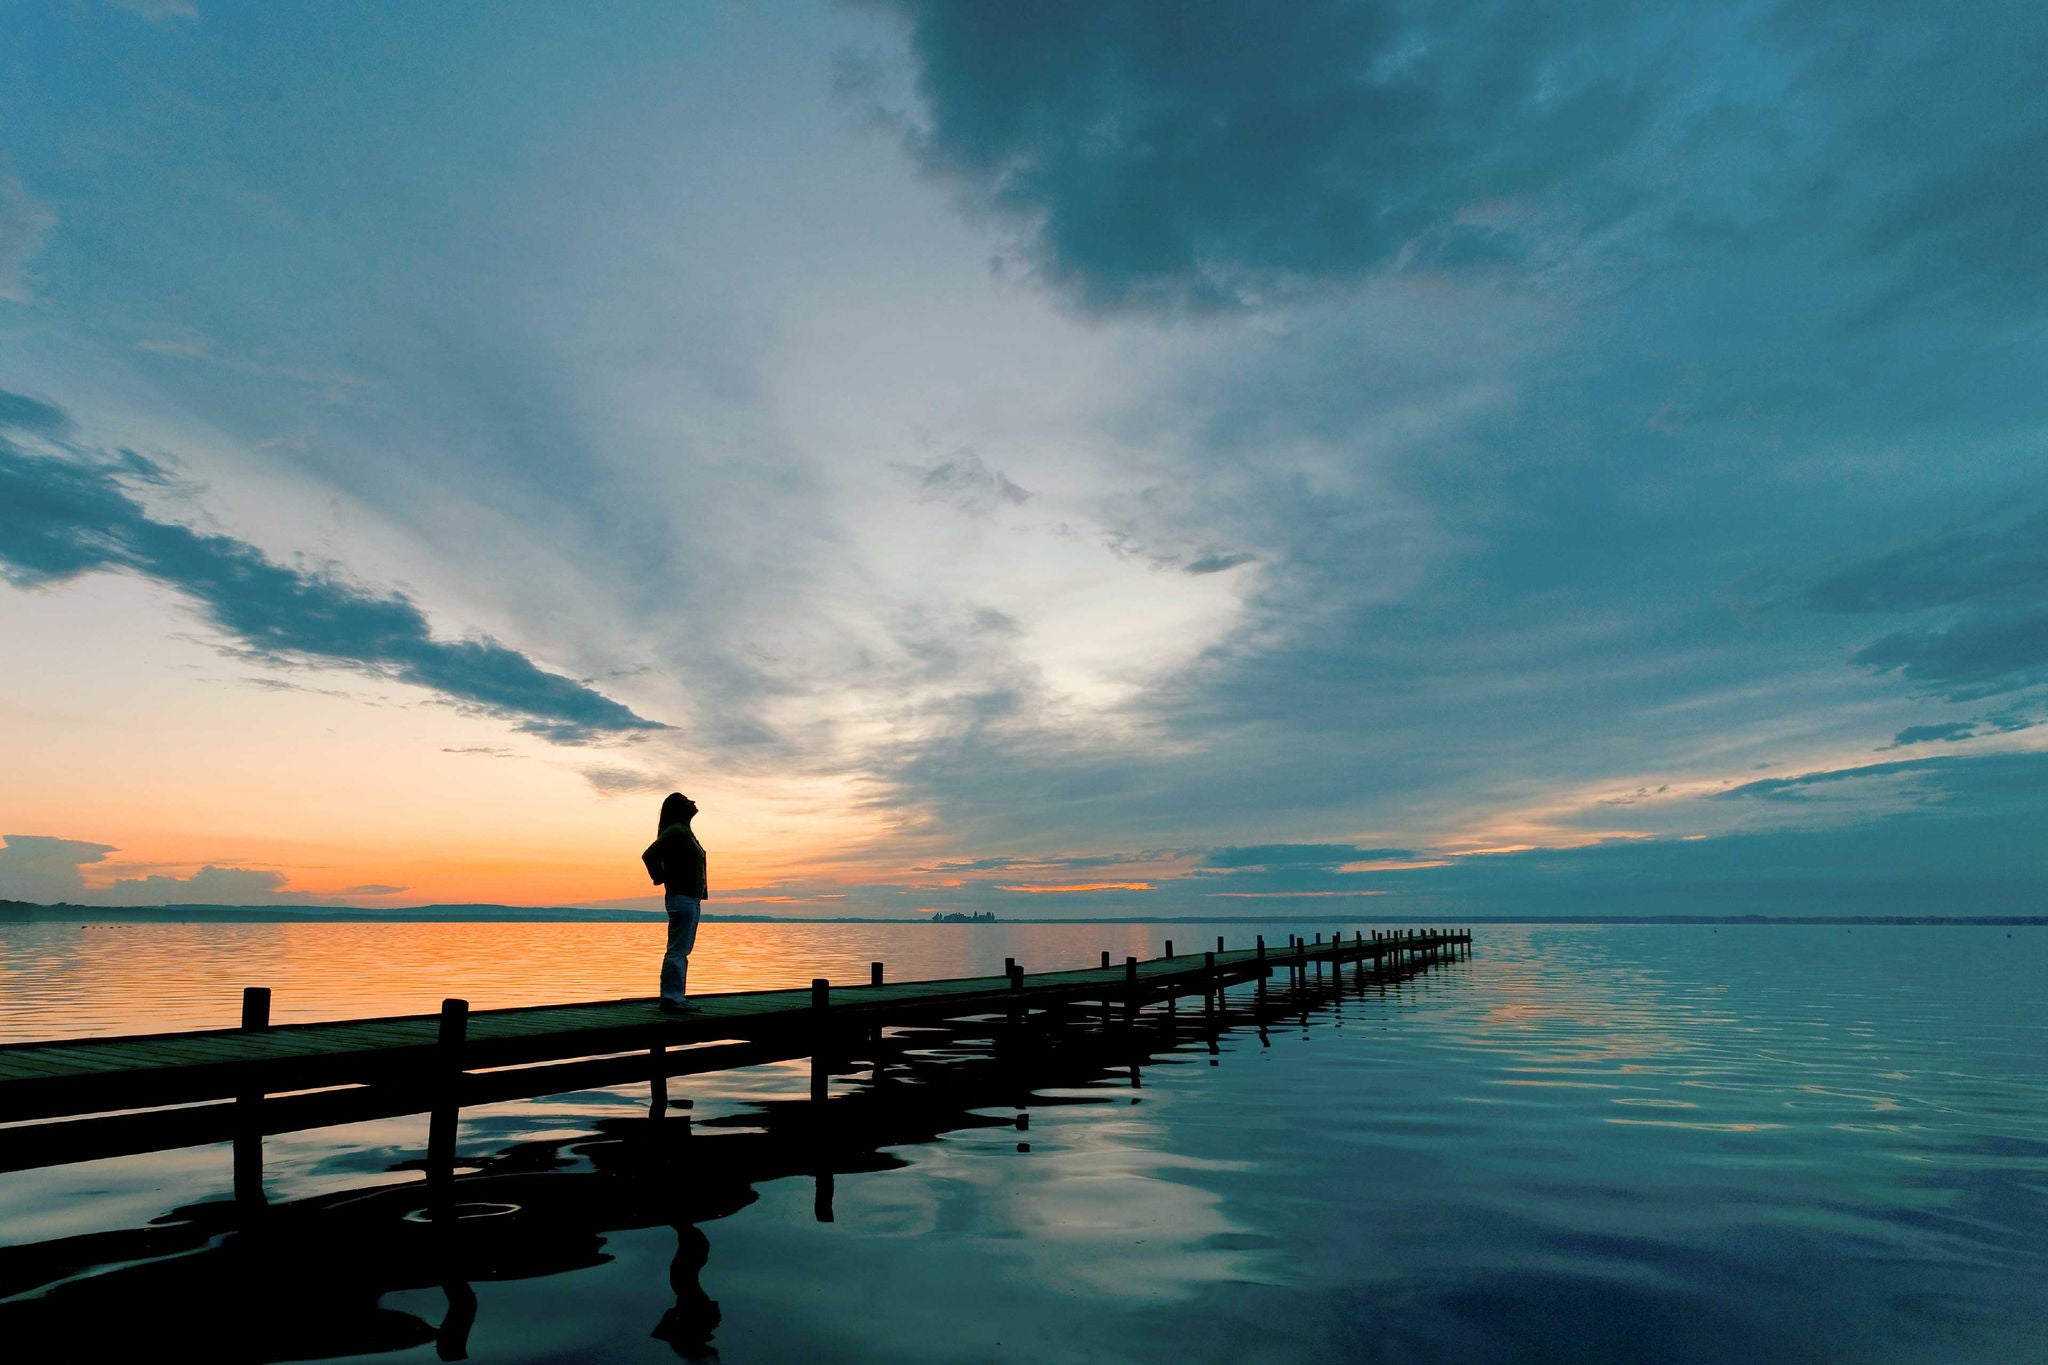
676	860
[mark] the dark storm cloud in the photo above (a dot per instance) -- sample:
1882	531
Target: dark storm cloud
1803	787
1957	567
61	517
1219	154
1932	734
1943	126
19	412
1216	563
1050	863
1200	155
1987	587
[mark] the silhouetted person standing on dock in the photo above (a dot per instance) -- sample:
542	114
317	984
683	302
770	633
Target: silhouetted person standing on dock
676	861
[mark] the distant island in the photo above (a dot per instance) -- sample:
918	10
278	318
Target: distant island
28	912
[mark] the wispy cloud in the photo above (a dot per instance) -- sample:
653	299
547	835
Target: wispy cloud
625	781
966	483
1988	587
69	514
24	222
161	11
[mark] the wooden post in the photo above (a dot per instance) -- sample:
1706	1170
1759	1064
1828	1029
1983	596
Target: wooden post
1009	966
821	1001
875	1033
1219	943
447	1081
821	1080
1169	947
249	1109
1210	988
657	1081
1130	987
1105	959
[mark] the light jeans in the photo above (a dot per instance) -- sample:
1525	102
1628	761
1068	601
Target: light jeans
683	913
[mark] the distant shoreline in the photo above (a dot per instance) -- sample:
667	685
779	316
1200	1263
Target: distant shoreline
24	912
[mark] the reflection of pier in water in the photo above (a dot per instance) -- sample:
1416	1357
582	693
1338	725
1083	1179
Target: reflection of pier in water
260	1281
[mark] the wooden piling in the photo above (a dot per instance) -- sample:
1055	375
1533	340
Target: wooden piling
248	1156
446	1081
821	1003
874	973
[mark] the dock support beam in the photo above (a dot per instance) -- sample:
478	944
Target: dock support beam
821	1074
447	1081
249	1109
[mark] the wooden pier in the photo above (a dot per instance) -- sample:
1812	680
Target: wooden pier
353	1270
83	1099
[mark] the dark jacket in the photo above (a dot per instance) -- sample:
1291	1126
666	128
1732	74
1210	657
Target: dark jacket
675	859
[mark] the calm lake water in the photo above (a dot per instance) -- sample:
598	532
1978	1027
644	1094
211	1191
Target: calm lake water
1752	1144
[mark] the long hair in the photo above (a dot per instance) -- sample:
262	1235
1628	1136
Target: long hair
675	810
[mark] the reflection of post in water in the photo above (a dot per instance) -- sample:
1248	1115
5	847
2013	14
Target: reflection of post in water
688	1327
451	1338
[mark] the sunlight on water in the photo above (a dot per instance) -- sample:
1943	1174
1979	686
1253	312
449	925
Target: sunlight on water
65	980
1583	1144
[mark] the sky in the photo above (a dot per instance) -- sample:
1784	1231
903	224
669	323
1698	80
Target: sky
1337	459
